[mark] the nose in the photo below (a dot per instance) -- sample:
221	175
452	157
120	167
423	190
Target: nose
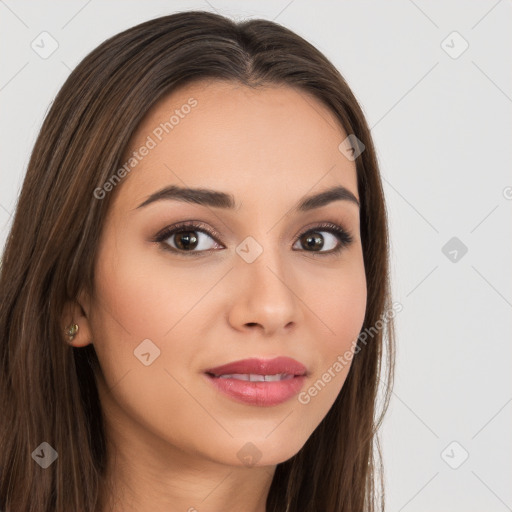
263	296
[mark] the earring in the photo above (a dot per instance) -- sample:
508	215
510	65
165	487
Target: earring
71	331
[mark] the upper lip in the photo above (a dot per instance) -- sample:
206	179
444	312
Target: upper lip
284	365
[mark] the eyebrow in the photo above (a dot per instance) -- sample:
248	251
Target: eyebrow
218	199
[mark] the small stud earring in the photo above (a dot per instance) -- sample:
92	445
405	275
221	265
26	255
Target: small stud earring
71	331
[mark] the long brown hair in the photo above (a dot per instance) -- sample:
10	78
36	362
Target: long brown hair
47	388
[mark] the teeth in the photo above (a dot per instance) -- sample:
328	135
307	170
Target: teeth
279	376
254	377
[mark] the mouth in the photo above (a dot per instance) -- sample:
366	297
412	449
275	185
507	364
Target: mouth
254	377
258	381
253	369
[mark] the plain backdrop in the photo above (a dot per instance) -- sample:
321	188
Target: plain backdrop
435	82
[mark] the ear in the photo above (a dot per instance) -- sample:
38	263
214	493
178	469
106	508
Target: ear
75	312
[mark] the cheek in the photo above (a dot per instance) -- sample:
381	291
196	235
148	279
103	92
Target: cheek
142	295
340	304
131	293
133	303
146	296
342	309
347	309
137	301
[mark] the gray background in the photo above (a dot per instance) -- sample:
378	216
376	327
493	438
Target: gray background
442	127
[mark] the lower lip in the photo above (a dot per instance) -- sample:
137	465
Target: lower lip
263	394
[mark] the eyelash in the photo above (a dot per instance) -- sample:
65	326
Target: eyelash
343	236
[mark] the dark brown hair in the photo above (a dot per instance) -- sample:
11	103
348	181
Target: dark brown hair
47	388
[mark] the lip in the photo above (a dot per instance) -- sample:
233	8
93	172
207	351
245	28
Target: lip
263	394
261	367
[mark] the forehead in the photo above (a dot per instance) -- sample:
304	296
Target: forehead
211	134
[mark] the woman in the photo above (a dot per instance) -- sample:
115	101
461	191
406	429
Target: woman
195	288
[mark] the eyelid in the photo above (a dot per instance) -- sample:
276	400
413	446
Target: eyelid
335	226
196	224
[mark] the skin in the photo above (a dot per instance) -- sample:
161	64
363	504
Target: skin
173	439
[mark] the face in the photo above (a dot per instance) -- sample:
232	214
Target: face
261	279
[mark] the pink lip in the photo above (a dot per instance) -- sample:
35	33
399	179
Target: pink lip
261	367
259	393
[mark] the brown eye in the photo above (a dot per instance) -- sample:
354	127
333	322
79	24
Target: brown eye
314	240
186	240
191	238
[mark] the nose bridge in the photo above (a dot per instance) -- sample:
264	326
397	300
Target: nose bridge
265	294
262	257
